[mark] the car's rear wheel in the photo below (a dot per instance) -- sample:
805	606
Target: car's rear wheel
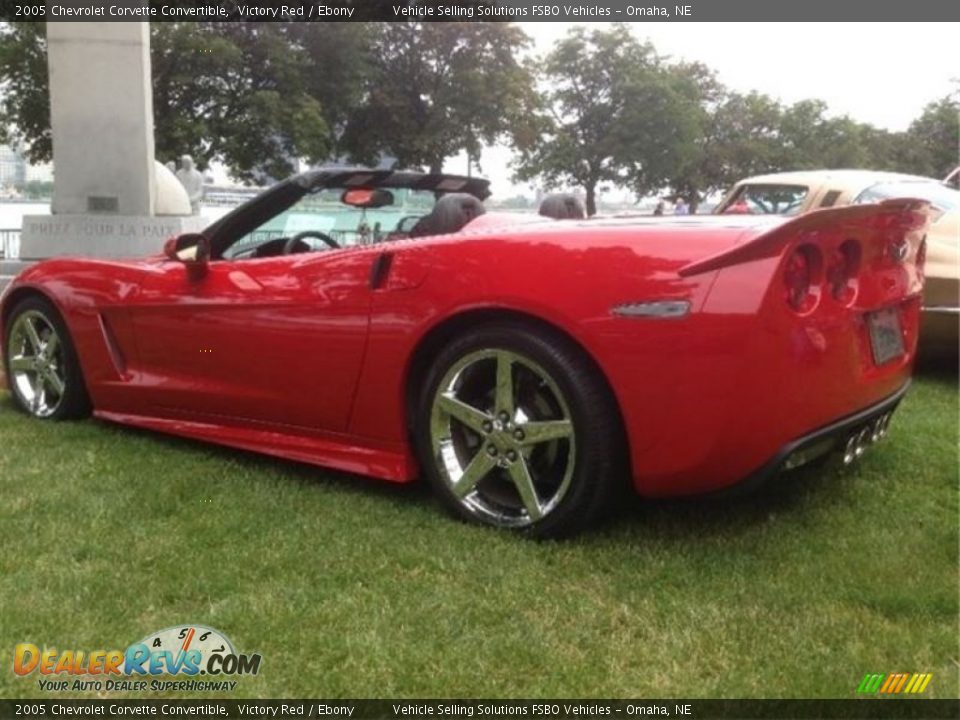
517	430
41	363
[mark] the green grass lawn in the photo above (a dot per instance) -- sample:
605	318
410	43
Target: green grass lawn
353	588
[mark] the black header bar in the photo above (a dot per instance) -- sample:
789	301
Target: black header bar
486	10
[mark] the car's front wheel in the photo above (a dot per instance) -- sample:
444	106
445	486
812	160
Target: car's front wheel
41	363
516	429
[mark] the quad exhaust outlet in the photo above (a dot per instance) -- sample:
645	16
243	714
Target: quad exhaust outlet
859	441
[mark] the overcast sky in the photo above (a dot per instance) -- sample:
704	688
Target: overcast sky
880	73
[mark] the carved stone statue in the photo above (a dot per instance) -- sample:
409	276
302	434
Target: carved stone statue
192	181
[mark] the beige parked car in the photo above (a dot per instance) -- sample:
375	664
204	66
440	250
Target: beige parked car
792	193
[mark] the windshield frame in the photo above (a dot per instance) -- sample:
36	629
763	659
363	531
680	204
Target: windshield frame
248	217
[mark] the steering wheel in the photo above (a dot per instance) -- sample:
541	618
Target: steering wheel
289	247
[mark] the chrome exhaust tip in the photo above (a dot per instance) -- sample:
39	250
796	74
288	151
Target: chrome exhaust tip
886	423
850	451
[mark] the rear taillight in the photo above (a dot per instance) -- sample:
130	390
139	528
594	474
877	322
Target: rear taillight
801	276
843	271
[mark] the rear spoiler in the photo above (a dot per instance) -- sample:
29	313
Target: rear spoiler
902	214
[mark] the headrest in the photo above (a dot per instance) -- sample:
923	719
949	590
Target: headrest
562	206
449	215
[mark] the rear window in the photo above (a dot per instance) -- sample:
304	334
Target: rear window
941	197
766	200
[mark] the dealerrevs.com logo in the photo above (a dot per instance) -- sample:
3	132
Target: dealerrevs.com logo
182	651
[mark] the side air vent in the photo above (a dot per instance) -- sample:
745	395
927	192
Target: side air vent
113	347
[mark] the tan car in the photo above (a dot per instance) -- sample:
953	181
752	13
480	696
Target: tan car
792	193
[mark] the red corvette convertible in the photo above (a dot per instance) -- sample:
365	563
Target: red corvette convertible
382	323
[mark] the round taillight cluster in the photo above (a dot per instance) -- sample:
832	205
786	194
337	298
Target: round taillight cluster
843	271
801	278
807	275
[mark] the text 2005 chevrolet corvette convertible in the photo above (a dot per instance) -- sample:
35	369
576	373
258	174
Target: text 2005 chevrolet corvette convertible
525	365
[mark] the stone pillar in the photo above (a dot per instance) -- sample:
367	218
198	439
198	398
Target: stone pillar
101	113
105	177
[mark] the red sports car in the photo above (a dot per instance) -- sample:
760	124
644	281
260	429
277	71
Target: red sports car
382	323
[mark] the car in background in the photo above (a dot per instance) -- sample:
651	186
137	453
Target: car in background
793	193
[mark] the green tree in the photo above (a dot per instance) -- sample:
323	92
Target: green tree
207	100
24	94
812	139
932	143
611	114
435	89
737	135
235	92
885	150
340	57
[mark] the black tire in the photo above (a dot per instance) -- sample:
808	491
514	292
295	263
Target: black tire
598	462
74	402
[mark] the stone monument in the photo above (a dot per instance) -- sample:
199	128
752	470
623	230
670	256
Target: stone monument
110	198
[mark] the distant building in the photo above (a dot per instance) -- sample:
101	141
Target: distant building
40	173
15	171
384	162
13	167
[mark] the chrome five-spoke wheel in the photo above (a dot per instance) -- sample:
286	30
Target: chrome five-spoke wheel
503	437
41	363
35	359
517	429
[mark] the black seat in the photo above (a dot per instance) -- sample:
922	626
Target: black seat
449	215
562	206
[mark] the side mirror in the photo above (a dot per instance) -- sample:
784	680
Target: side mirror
191	249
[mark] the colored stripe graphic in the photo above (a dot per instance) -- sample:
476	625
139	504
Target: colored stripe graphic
899	686
891	678
894	683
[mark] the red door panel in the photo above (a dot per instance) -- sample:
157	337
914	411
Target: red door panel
274	340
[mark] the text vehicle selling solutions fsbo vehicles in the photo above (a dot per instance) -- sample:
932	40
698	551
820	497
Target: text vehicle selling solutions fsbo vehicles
383	323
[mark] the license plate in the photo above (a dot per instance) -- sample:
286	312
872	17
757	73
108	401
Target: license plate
886	339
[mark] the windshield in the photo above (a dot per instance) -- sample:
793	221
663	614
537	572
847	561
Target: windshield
323	214
941	197
766	200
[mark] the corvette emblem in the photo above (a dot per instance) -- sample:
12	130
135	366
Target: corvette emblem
898	250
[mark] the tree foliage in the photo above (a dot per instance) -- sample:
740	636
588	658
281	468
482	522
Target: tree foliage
435	89
608	112
24	89
935	149
611	114
736	135
207	102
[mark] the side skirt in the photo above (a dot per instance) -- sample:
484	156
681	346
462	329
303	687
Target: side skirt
387	464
